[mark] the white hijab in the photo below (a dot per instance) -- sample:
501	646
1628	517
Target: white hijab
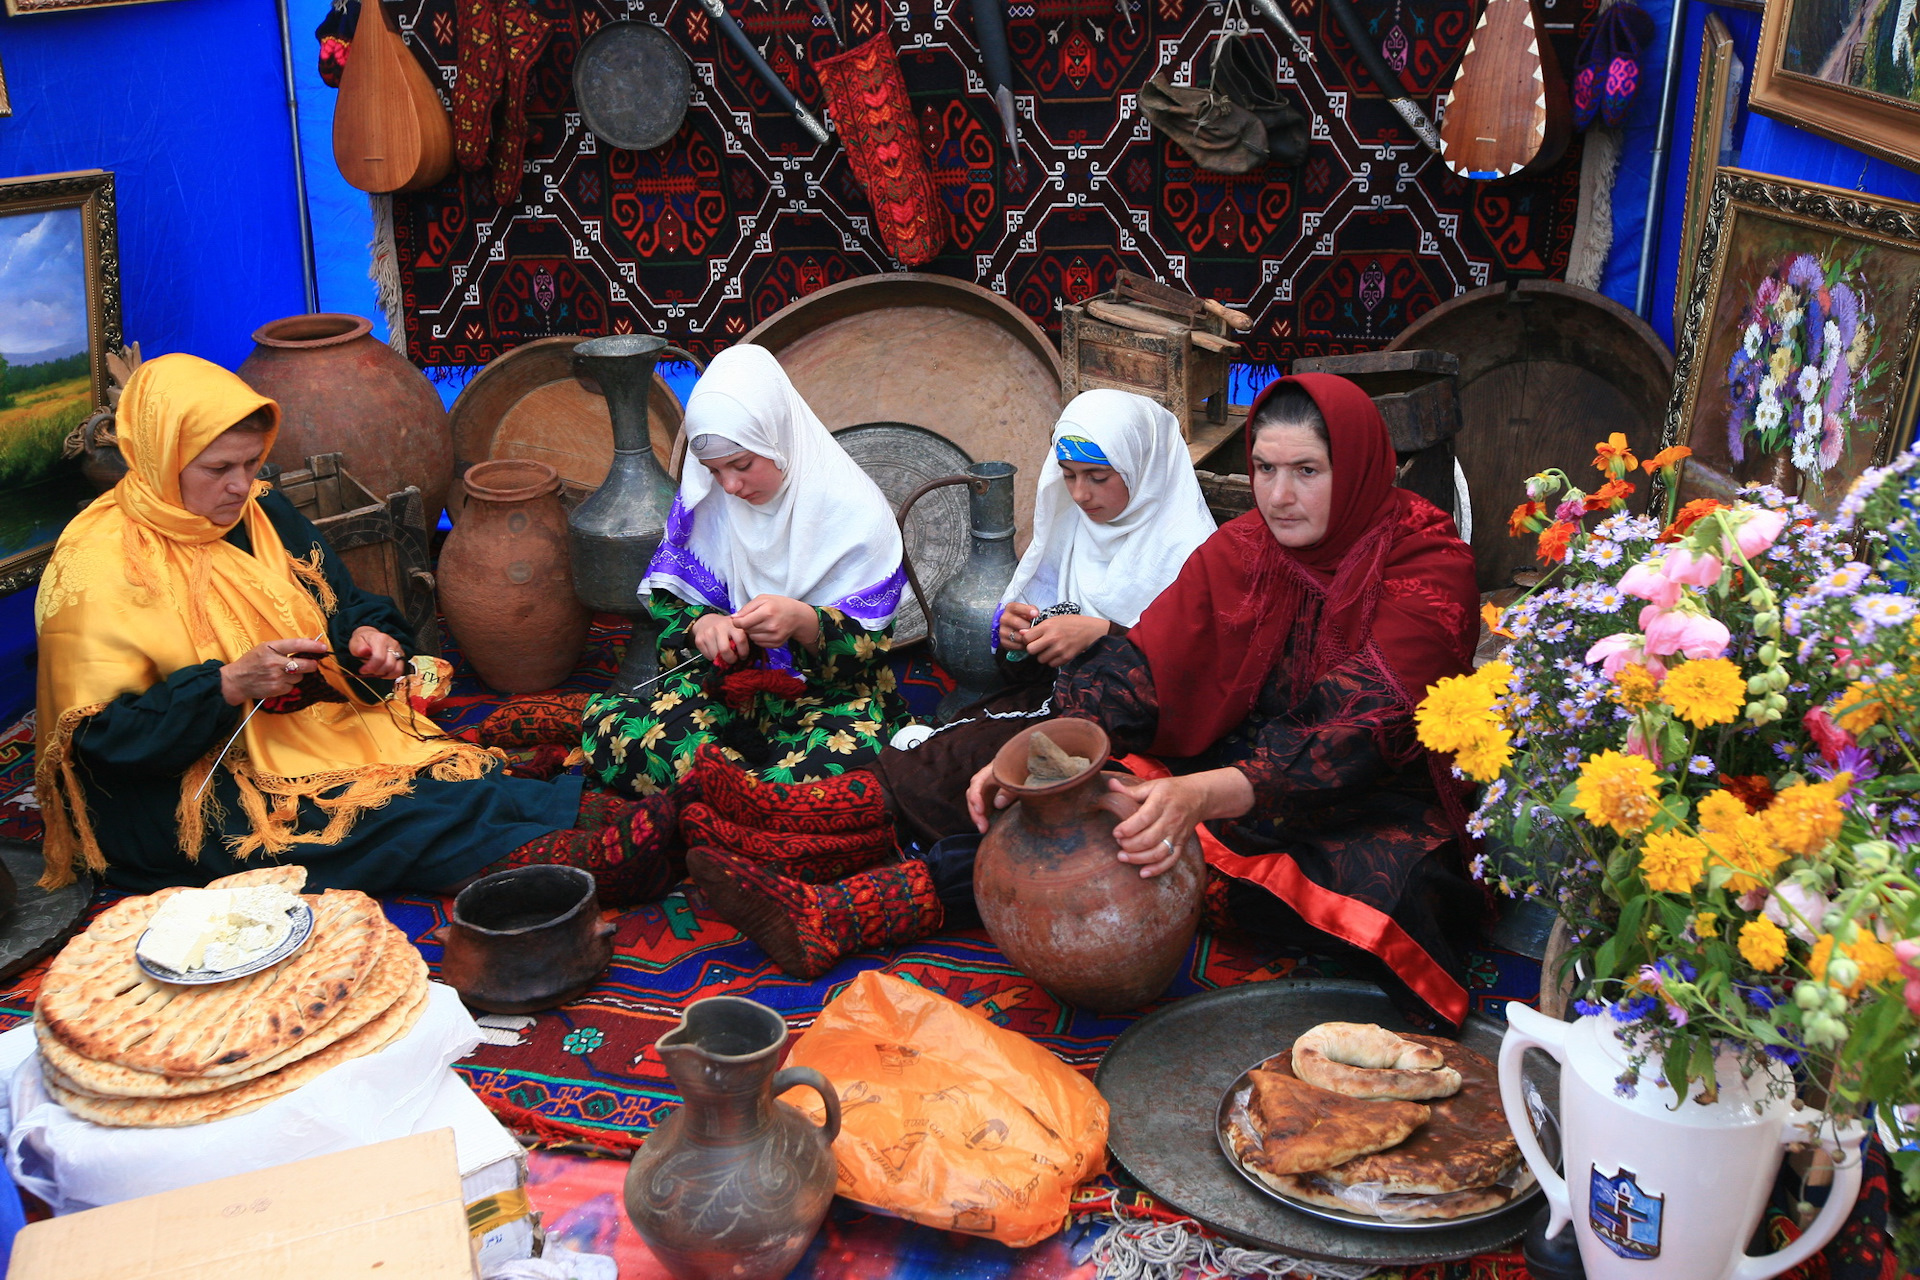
1114	570
826	537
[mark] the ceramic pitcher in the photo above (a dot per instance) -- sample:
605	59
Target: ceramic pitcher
1657	1188
735	1183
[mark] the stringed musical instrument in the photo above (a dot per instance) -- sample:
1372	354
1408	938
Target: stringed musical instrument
1507	111
390	130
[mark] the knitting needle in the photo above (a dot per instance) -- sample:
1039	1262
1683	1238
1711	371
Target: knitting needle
698	657
208	780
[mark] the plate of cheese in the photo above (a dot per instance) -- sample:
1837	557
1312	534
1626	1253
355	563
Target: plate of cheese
204	936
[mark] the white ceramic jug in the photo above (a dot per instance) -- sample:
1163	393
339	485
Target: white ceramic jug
1658	1189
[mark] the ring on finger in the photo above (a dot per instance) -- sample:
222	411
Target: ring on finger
1170	846
292	666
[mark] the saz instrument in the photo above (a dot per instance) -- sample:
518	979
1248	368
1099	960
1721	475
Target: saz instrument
1507	110
390	131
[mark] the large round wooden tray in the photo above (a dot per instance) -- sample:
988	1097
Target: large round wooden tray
928	351
1546	369
526	404
1163	1080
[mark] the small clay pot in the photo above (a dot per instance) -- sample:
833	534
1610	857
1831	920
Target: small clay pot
526	939
506	578
1056	898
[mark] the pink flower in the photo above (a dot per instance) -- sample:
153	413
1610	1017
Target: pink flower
1571	509
1615	651
1645	582
1638	744
1797	910
1907	952
1692	634
1912	993
1691	569
1757	532
1828	736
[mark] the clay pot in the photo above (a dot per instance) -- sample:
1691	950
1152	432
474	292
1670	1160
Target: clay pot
526	939
1058	901
735	1183
506	582
341	390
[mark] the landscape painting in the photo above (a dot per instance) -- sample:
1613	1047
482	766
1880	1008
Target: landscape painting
1868	45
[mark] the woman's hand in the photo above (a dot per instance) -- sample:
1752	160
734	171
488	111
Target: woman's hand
1014	621
381	657
771	621
985	798
1064	637
269	670
722	642
1170	808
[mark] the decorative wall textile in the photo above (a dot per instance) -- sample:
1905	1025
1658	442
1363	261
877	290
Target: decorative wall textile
874	115
741	213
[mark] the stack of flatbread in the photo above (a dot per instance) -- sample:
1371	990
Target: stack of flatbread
1420	1136
119	1048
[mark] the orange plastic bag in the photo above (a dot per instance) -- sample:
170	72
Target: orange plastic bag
946	1119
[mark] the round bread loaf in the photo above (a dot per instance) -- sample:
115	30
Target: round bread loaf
1363	1060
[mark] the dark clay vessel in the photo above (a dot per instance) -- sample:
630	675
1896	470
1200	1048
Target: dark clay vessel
341	390
735	1183
506	578
526	939
1057	900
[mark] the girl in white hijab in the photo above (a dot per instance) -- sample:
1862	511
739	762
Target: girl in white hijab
782	555
1118	512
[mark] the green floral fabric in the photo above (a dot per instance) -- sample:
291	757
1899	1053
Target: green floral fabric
849	711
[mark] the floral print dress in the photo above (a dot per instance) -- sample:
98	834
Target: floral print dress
846	712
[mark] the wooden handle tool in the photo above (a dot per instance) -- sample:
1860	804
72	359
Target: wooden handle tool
1238	321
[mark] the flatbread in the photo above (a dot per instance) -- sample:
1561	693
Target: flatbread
170	1113
1304	1128
398	970
1316	1189
98	1002
290	876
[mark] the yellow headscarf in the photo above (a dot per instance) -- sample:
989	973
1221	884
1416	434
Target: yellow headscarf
140	587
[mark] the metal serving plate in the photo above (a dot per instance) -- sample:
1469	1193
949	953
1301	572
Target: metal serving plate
1163	1080
302	917
633	85
1365	1221
901	458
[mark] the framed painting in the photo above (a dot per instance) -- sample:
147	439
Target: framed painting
1723	78
59	316
6	103
17	7
1796	355
1845	69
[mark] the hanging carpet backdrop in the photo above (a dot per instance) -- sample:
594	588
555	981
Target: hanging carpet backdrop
741	213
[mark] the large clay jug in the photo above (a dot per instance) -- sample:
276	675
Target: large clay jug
735	1183
506	580
343	391
1055	897
1660	1187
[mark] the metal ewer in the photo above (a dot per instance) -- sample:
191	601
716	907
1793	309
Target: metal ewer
616	531
960	616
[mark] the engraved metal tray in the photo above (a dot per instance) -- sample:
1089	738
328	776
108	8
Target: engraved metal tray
1163	1080
901	458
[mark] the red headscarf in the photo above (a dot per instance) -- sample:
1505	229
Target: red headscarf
1390	582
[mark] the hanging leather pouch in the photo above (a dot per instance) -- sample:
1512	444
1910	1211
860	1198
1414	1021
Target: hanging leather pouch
1217	132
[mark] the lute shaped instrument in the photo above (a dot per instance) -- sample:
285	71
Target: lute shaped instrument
1507	110
390	130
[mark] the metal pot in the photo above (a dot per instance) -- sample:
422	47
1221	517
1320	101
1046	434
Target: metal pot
960	616
525	939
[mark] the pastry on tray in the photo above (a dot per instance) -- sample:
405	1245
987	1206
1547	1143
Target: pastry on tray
1363	1060
1304	1128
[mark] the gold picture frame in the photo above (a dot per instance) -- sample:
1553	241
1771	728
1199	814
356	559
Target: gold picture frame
6	103
1819	66
59	316
1716	102
19	8
1796	356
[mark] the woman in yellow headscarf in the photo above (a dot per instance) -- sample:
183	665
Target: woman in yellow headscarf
213	690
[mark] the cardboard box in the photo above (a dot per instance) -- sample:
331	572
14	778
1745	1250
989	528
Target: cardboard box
493	1175
393	1209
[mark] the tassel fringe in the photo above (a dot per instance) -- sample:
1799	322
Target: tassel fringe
1143	1248
63	805
313	575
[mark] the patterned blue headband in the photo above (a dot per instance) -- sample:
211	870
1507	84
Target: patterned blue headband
1079	449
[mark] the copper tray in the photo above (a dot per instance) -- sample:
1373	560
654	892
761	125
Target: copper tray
1163	1080
927	351
526	404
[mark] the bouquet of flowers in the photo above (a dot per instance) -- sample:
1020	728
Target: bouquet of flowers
1807	355
1699	742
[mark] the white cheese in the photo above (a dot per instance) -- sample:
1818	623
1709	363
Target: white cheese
217	929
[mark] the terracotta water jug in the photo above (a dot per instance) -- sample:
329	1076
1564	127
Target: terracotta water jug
342	390
735	1183
506	579
1055	897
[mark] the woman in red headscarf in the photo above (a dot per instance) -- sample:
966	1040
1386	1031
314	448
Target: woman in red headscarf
1277	679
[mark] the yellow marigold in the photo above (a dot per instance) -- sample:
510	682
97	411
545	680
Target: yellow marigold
1672	862
1859	708
1719	811
1635	687
1618	791
1484	758
1706	924
1806	817
1706	691
1875	959
1742	844
1495	678
1456	713
1763	945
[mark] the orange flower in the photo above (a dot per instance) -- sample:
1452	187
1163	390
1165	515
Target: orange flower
1613	457
1611	494
1752	790
1553	542
1521	522
1490	614
1671	456
1690	515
